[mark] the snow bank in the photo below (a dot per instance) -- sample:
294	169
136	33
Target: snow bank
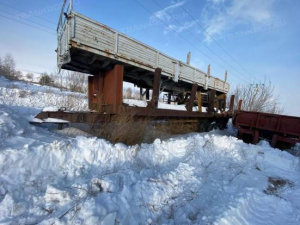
211	178
192	179
50	109
23	94
161	105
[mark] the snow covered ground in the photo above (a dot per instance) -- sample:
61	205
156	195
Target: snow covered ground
161	105
51	177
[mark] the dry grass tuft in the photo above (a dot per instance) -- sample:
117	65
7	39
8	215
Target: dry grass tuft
275	184
131	130
176	127
125	129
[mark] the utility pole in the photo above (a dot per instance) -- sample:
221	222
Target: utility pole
188	58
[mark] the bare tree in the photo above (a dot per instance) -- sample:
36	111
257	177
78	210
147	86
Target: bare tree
77	82
29	76
128	93
258	98
55	78
46	80
8	67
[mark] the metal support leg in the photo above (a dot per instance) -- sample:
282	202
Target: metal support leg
169	97
199	98
274	140
240	105
113	88
156	85
141	93
231	104
106	88
147	94
95	90
211	101
189	106
255	137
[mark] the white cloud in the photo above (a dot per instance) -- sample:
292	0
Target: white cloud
180	28
163	14
221	15
217	1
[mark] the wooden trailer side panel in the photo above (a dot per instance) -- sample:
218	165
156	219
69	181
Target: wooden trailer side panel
95	37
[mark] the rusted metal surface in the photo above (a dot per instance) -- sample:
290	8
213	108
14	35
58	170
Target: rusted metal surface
113	88
269	126
231	103
211	99
111	47
105	99
190	104
139	112
199	101
106	89
239	108
156	87
75	117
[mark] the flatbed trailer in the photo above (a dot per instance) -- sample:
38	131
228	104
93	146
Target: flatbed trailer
110	57
282	131
88	46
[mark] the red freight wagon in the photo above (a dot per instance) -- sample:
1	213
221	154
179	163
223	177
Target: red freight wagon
282	131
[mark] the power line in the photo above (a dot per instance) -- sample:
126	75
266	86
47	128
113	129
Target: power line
184	37
27	13
27	24
217	42
30	21
198	39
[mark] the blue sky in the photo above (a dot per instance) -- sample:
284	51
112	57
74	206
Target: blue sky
261	36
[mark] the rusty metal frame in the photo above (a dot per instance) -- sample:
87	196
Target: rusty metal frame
279	128
106	96
156	89
190	104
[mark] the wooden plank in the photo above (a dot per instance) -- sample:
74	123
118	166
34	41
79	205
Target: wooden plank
199	100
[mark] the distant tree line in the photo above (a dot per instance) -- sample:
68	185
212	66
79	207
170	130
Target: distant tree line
70	80
67	80
7	67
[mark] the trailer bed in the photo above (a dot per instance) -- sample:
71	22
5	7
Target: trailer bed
87	46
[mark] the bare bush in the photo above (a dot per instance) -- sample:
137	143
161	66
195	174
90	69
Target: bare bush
124	128
130	130
8	67
257	98
128	93
29	76
46	80
23	94
77	82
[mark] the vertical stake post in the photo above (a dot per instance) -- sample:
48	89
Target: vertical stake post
231	104
240	105
199	98
156	86
211	101
189	106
